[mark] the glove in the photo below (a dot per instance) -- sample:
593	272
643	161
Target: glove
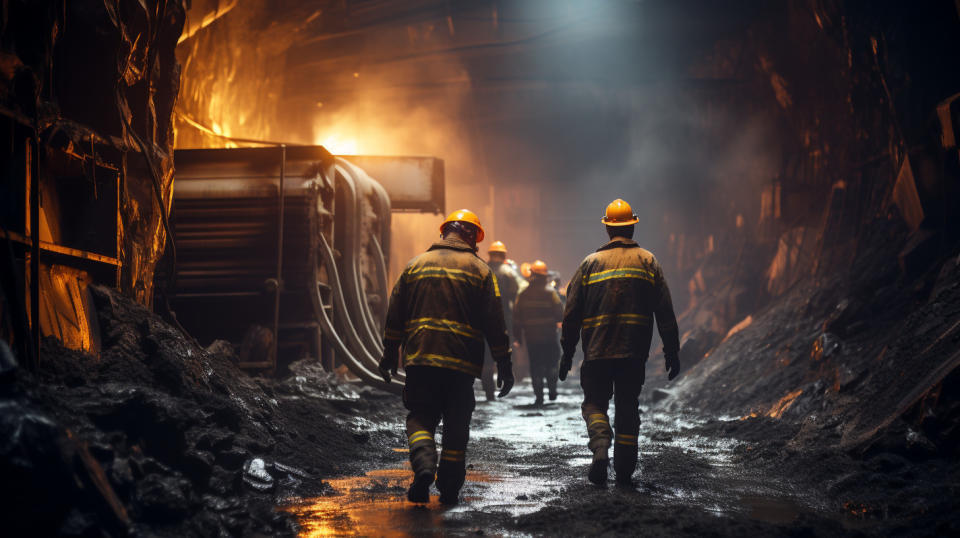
388	364
566	362
673	365
504	377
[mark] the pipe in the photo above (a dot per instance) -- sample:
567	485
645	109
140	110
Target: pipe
340	304
276	292
353	286
352	363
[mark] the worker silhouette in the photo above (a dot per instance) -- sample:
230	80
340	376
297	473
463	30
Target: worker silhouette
612	302
442	308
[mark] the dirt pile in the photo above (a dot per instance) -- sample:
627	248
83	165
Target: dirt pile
850	382
160	436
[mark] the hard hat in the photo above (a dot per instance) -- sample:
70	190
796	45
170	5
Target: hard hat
525	269
619	214
539	268
465	215
498	246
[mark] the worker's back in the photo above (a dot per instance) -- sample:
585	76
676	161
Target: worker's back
444	309
613	299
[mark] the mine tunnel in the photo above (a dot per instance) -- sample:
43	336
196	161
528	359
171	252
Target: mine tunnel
498	267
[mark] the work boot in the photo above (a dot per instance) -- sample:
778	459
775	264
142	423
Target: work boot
538	401
419	491
598	469
450	498
553	396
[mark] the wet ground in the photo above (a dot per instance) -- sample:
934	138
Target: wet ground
526	476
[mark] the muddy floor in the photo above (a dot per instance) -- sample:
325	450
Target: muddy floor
527	468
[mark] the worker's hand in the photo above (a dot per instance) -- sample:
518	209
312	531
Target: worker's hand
388	365
504	377
673	365
566	362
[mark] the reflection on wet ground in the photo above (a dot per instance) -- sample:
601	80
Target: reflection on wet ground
523	457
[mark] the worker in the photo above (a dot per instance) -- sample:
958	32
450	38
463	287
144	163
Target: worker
536	319
507	281
442	308
612	301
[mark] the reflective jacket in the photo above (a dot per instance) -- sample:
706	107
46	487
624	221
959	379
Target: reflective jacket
442	307
612	301
537	313
507	281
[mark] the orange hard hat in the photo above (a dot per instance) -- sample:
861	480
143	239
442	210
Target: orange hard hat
465	215
498	246
525	269
539	268
619	213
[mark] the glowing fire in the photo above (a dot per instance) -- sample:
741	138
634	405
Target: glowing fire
339	145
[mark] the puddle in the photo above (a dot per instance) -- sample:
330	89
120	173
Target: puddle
376	505
771	509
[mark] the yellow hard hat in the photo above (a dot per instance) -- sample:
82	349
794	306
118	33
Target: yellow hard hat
525	269
465	215
619	214
497	246
539	268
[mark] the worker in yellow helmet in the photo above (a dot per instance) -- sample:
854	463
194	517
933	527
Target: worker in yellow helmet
443	307
612	301
507	280
535	319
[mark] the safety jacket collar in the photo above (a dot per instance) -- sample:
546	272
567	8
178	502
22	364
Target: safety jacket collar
453	244
619	242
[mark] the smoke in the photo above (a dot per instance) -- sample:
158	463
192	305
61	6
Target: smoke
542	115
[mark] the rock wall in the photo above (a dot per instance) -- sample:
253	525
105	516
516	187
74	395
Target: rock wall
99	79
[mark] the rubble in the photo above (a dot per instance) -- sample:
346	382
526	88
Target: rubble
170	436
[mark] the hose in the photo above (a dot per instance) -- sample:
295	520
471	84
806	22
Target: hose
366	360
355	366
363	317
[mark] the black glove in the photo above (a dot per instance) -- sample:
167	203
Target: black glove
566	362
388	364
673	365
504	377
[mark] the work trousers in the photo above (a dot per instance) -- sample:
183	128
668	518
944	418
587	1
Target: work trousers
432	395
544	357
486	375
622	379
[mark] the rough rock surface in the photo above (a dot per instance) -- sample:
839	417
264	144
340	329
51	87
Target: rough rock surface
159	436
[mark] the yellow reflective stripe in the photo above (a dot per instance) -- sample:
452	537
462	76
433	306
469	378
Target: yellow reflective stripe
445	325
496	287
442	361
628	443
626	319
443	272
625	272
597	418
452	455
416	440
419	434
627	436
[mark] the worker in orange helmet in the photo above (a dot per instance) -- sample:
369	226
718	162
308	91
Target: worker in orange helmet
443	307
536	316
612	301
507	280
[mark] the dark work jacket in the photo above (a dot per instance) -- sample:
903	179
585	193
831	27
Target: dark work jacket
507	281
612	301
443	306
537	313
